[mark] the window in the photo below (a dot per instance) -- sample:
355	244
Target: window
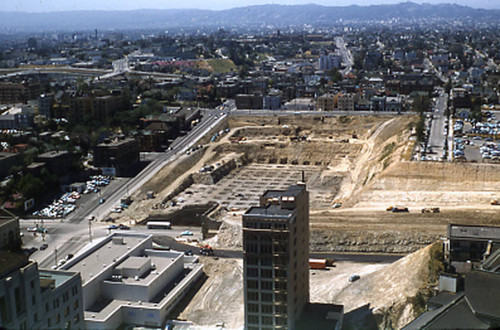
253	319
252	261
266	285
251	295
56	303
75	304
252	284
76	319
66	311
47	307
35	317
281	309
58	318
267	320
4	316
266	261
17	297
253	308
267	309
266	273
48	322
266	296
280	321
252	272
33	300
32	284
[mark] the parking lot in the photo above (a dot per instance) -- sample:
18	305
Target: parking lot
475	142
242	188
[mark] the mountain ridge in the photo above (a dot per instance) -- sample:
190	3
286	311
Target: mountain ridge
248	16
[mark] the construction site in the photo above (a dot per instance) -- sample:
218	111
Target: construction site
359	176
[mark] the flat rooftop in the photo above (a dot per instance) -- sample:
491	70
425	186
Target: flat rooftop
271	211
59	277
478	232
161	263
105	255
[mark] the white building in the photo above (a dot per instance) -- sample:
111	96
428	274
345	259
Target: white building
38	299
125	281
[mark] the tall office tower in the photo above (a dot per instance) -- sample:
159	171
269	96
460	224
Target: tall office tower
276	259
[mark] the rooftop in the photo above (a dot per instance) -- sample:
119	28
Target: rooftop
58	277
477	232
10	261
105	255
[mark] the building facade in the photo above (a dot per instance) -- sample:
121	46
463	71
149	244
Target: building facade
38	299
276	255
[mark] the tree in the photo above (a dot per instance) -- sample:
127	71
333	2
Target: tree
335	75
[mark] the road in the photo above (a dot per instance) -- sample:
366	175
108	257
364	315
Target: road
347	58
71	234
438	135
264	112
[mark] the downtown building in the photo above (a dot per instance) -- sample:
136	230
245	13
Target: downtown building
276	265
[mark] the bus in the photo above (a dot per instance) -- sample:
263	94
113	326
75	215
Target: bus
159	225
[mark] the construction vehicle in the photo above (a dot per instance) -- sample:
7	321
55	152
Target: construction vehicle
495	202
399	209
207	250
431	210
317	263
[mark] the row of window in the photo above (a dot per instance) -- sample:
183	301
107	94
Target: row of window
266	320
266	285
266	309
266	225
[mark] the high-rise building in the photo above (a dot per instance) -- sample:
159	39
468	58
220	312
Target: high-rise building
276	259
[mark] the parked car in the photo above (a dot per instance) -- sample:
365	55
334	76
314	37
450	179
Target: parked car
187	233
354	278
101	201
188	253
69	256
123	227
112	227
44	246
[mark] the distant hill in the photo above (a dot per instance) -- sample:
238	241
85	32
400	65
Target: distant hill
251	16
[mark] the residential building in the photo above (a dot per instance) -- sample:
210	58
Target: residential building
12	93
394	103
8	160
45	105
272	100
329	61
57	161
126	281
116	157
346	101
327	102
38	299
19	117
247	101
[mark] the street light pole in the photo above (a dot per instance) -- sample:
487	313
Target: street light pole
90	231
55	255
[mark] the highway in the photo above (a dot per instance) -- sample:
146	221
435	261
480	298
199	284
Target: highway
346	55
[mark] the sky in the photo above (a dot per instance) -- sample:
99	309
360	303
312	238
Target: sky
63	5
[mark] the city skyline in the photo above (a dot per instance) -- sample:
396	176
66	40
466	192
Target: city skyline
59	5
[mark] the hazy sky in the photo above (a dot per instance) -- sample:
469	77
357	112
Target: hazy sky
58	5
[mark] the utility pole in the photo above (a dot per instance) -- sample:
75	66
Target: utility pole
90	231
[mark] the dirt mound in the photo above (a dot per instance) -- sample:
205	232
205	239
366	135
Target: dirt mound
389	291
220	299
